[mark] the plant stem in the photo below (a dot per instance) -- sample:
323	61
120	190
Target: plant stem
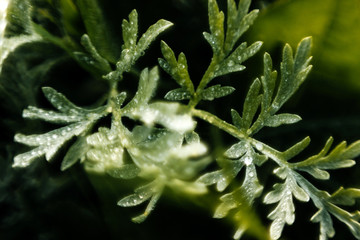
235	132
207	77
223	125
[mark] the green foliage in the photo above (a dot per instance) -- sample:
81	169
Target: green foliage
162	147
79	120
133	49
333	26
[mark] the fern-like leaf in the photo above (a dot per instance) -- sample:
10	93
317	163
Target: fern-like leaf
294	70
285	210
80	121
132	49
340	157
177	69
91	59
150	191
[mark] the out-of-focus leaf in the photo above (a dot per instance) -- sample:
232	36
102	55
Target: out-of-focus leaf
334	26
97	29
20	79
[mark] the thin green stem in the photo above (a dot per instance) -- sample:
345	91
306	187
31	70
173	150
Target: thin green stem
237	133
207	77
223	125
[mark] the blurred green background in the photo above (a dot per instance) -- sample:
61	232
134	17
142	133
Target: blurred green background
40	202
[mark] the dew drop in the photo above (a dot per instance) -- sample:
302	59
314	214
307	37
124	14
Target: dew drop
251	174
230	63
248	161
259	146
111	137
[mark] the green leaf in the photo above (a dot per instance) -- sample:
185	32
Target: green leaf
192	137
91	60
130	30
251	104
70	17
244	195
141	195
45	34
127	171
132	50
216	91
119	99
233	62
345	197
280	119
150	191
326	205
98	30
242	52
350	219
150	35
237	150
268	81
238	22
340	157
49	143
227	67
326	224
212	41
50	116
146	89
222	178
284	213
75	153
216	22
293	72
23	72
236	119
178	94
296	149
177	69
333	24
61	103
18	18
